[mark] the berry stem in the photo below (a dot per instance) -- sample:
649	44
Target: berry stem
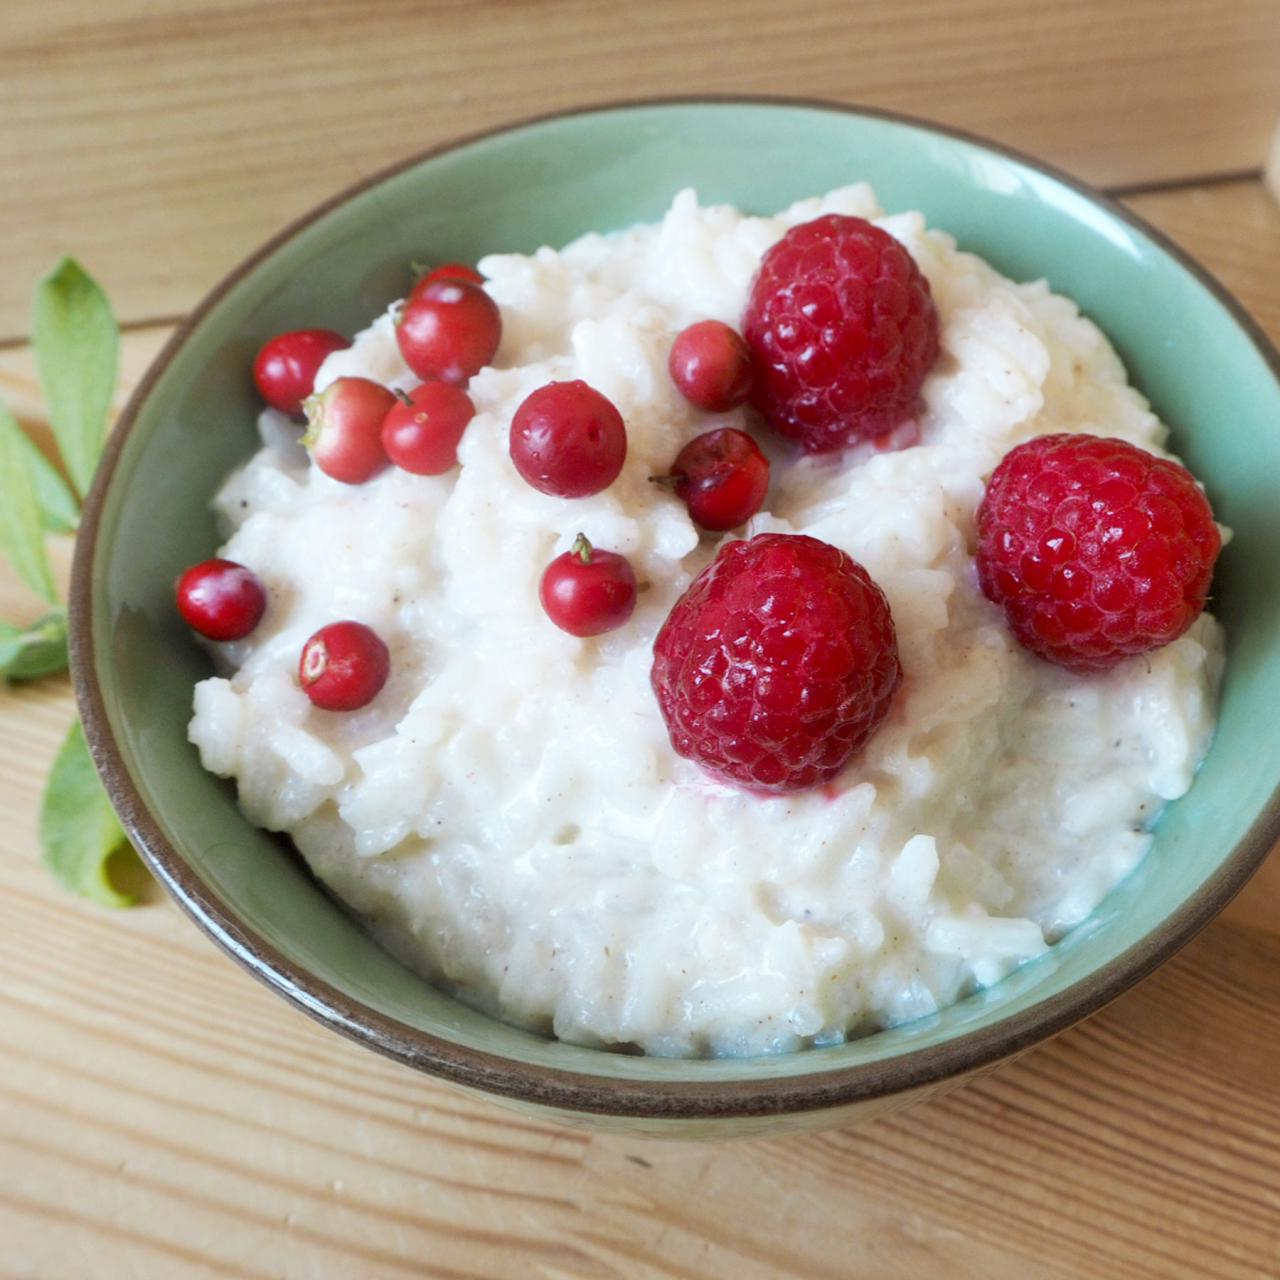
581	548
402	395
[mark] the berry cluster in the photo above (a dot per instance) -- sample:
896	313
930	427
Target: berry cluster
780	661
448	329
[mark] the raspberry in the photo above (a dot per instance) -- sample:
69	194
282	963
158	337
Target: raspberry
777	664
842	330
1094	548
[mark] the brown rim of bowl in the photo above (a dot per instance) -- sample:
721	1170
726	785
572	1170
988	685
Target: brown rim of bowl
576	1091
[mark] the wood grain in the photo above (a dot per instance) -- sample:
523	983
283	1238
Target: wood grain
160	140
163	1115
1231	228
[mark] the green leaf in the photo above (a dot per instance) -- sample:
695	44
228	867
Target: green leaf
59	509
21	528
77	346
39	650
78	828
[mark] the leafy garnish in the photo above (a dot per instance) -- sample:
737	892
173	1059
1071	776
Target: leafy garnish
78	828
21	524
58	506
77	348
77	352
37	650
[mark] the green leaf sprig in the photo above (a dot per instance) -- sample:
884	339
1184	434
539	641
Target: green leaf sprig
77	345
78	829
21	515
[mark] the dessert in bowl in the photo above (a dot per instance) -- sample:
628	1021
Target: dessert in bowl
514	809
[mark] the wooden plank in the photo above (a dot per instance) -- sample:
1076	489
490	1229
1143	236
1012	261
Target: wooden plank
162	1114
1231	228
178	1119
161	140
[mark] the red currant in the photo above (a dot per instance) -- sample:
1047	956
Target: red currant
449	329
711	366
286	367
220	599
344	666
344	428
422	429
452	271
568	440
588	592
722	478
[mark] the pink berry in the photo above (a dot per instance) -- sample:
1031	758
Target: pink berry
449	329
344	666
286	367
777	664
452	271
722	477
588	592
220	599
422	429
344	428
1095	549
711	366
568	440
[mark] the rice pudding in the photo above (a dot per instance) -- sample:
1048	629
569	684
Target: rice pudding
509	816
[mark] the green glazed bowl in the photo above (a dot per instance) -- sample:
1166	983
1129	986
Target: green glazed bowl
1205	366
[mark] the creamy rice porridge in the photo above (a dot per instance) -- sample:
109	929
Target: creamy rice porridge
508	814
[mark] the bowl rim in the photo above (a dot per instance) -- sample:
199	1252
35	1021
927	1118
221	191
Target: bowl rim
549	1086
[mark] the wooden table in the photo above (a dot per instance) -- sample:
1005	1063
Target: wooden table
163	1115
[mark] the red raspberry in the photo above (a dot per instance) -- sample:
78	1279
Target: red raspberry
1094	548
777	664
842	330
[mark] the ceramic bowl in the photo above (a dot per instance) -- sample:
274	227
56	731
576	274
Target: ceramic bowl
1191	349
